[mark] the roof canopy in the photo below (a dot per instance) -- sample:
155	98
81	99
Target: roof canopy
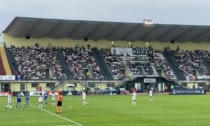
96	30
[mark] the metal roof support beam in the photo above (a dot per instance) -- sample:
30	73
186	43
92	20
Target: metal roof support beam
160	38
31	30
125	36
177	38
55	28
147	34
74	29
92	31
198	36
112	31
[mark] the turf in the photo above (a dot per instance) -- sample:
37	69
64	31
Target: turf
105	110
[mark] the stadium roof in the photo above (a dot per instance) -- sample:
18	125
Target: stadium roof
96	30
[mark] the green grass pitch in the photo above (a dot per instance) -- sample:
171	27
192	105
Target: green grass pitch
106	110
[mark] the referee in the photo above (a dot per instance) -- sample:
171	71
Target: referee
59	104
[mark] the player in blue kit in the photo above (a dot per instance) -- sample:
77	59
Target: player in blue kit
18	100
45	98
27	99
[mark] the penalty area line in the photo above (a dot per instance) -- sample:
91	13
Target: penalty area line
57	115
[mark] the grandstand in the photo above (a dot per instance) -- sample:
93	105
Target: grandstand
53	53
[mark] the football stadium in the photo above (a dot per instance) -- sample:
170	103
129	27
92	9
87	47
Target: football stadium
104	73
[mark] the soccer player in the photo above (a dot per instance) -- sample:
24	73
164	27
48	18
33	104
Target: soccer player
40	100
150	95
84	97
134	97
18	100
45	98
27	100
53	98
59	103
9	99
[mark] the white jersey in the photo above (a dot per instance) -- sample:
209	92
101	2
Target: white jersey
150	93
9	98
134	96
83	96
53	97
40	99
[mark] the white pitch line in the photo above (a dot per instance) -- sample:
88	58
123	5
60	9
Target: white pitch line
62	125
68	107
57	115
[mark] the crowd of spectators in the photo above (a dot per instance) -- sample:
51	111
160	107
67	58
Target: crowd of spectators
160	62
115	64
188	60
34	61
135	68
148	68
81	62
135	64
206	55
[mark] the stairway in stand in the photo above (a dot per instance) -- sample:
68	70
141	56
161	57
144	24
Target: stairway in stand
4	63
2	71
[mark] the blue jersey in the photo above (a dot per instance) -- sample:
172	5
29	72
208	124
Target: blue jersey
18	98
27	97
45	96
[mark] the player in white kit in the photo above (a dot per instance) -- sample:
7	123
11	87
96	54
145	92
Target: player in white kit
53	99
84	98
9	99
150	95
134	97
40	100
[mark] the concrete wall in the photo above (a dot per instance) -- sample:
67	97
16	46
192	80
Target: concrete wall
28	87
66	42
15	86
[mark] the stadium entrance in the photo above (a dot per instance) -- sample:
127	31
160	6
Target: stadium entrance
5	87
143	84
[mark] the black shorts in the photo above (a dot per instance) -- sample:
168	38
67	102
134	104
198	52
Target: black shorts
59	103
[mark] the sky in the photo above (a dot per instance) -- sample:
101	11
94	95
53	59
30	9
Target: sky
187	12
